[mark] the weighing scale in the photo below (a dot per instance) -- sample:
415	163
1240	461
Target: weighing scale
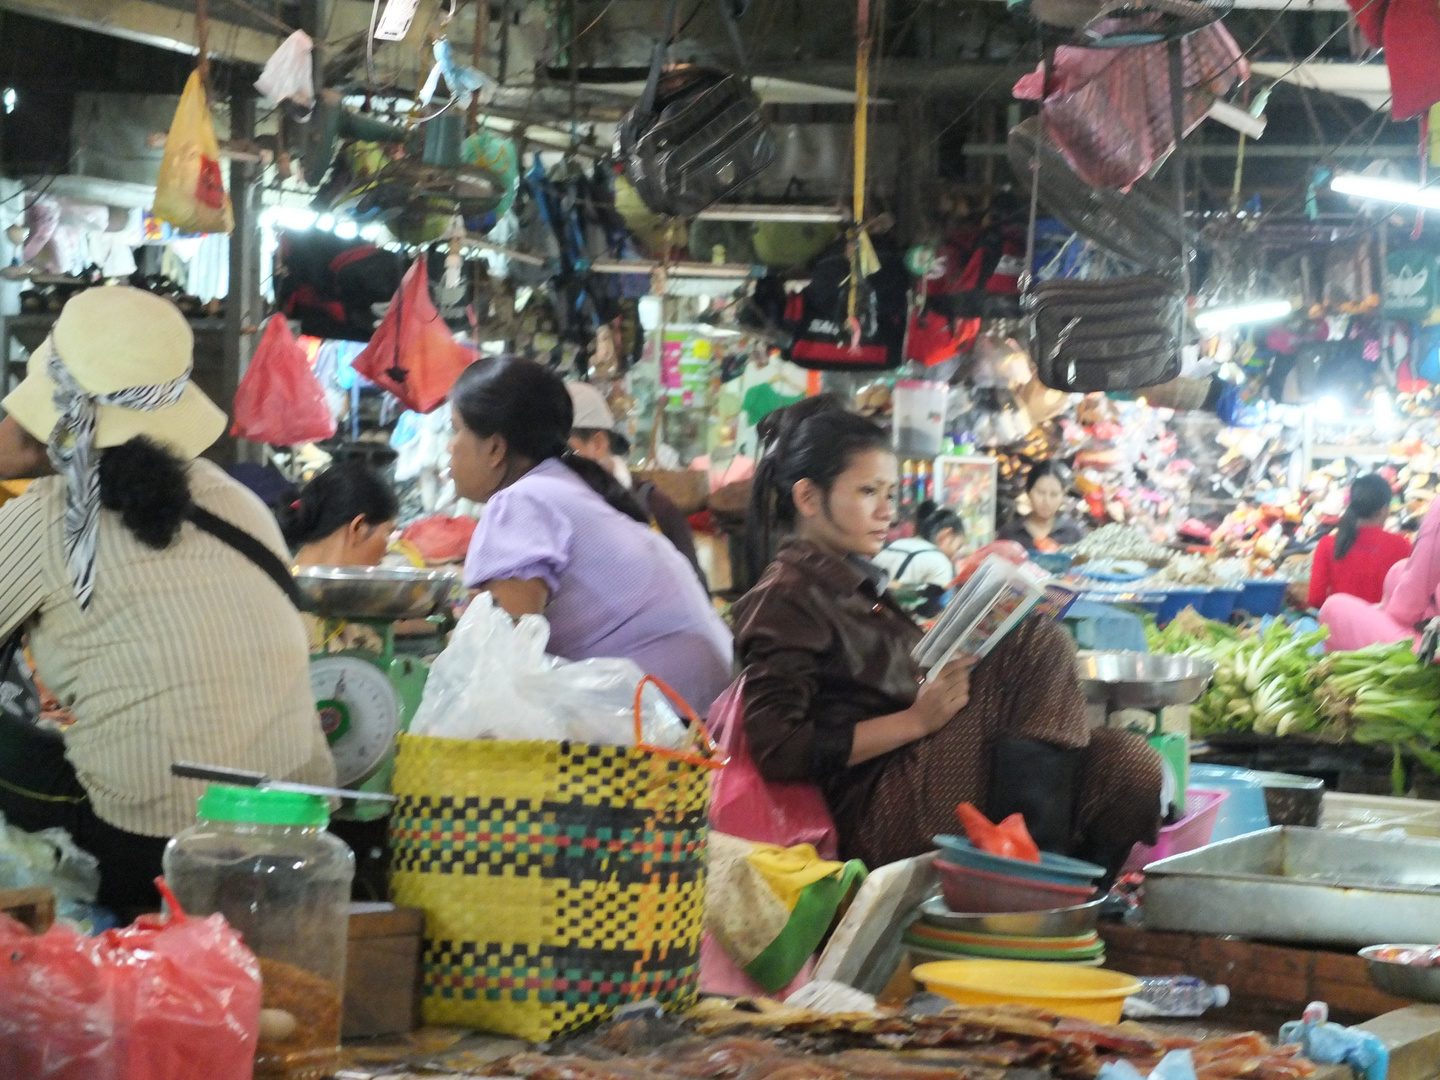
1148	692
365	694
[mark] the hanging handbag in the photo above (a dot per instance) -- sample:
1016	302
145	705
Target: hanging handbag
1112	334
696	134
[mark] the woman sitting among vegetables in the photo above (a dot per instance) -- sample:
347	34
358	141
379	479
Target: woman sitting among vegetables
1408	600
832	696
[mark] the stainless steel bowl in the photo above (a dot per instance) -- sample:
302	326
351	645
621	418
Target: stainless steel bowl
374	592
1135	680
1403	980
1055	922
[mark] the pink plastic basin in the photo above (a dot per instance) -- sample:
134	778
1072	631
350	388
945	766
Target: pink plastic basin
1190	832
981	892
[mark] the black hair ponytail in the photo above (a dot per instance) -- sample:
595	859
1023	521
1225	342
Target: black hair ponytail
1369	495
149	487
816	440
530	408
332	500
932	520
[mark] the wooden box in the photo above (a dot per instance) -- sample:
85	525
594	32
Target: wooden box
382	970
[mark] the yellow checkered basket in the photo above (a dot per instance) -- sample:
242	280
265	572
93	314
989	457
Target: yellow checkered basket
558	880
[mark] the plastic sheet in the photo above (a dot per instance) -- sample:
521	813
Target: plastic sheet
495	681
1109	111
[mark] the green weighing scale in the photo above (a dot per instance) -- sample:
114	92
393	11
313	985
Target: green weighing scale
1150	694
365	693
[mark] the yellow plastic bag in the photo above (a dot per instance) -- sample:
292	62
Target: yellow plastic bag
190	192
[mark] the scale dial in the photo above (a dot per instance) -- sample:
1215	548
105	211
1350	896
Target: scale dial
359	713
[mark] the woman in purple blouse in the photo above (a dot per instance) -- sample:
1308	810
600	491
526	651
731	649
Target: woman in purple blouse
561	538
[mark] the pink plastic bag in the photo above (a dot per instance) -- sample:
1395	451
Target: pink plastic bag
413	354
744	804
279	400
157	1000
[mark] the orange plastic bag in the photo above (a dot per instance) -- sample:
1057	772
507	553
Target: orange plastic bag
157	1000
1010	839
190	190
279	400
413	354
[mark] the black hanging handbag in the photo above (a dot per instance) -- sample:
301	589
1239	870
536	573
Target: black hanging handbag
1120	333
697	133
1114	334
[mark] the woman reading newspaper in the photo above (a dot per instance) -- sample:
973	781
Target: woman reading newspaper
832	696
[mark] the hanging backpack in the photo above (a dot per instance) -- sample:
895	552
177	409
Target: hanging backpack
818	317
696	134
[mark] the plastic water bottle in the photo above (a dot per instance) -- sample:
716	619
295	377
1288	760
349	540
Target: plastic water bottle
1175	995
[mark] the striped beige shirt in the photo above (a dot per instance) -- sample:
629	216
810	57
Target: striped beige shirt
185	654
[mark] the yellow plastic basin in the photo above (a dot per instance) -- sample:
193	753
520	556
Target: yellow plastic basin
1089	993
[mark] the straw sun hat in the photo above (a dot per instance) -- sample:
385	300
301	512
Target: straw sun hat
112	339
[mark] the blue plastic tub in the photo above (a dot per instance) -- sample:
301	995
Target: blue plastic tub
1266	597
1177	600
1244	811
1219	604
1052	869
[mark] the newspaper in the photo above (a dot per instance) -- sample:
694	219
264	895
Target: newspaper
986	608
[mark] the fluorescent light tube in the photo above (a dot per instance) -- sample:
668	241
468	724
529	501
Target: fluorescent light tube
1262	311
1395	191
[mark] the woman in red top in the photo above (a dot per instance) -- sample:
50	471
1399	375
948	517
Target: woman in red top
1354	558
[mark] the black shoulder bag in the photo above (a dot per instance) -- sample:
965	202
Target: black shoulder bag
696	134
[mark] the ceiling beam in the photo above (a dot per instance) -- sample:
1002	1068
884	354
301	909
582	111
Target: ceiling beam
153	24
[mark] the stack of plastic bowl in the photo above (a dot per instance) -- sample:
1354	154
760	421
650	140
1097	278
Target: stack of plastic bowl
1010	909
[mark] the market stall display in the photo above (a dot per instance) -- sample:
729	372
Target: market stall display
761	1038
1270	682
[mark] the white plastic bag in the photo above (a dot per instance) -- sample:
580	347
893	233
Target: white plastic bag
288	74
495	681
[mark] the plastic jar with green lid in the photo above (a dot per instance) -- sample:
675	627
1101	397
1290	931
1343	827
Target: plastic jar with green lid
264	860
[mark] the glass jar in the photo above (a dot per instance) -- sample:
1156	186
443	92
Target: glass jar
264	860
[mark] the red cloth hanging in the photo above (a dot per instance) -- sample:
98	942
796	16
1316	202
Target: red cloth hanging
1409	32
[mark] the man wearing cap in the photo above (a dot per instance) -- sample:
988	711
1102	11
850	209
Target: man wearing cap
151	586
596	436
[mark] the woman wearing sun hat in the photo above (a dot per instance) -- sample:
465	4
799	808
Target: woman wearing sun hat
164	631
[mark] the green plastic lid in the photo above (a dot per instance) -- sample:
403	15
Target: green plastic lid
224	802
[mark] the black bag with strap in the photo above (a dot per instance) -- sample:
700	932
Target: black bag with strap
696	134
1120	333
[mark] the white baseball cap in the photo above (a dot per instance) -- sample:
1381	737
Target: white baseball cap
591	411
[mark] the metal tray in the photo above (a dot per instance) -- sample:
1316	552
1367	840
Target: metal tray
374	592
1302	885
1132	680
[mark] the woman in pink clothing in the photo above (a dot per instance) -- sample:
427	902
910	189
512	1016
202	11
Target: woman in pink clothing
1409	599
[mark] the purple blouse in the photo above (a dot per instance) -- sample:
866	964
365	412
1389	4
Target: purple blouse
617	588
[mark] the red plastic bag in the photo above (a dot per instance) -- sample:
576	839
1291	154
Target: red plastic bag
279	400
413	354
744	804
157	1000
439	538
1010	839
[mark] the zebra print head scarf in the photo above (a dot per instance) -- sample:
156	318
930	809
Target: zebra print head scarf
71	450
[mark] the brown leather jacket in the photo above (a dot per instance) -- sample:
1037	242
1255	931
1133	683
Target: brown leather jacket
821	651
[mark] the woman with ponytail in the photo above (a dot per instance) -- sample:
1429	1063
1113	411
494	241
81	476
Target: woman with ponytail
152	590
1355	558
832	697
561	537
343	517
